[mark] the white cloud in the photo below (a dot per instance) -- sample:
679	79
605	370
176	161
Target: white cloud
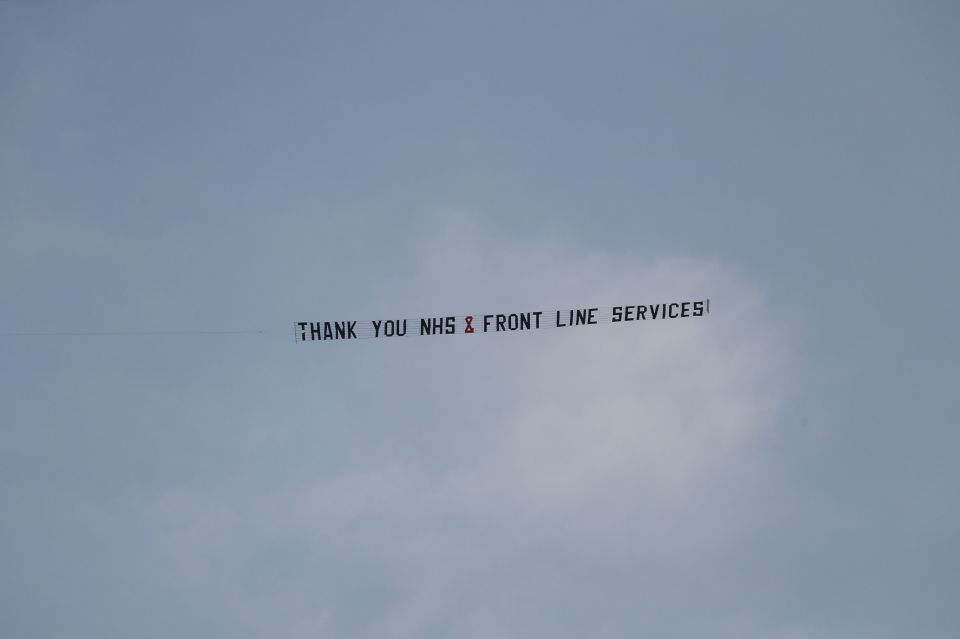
619	442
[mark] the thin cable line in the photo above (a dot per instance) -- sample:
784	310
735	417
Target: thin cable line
112	333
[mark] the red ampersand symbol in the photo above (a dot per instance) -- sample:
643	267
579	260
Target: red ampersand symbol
469	320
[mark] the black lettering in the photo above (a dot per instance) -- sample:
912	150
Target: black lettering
432	326
685	309
340	330
581	316
558	320
500	320
537	315
642	312
486	322
327	331
617	314
673	313
376	327
592	316
351	332
450	325
391	328
628	315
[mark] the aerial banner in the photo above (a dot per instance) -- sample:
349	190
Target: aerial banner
472	324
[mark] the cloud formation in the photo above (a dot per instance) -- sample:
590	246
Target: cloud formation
626	443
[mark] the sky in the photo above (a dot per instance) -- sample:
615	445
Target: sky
784	468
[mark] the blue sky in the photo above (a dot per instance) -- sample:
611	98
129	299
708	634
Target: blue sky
785	469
